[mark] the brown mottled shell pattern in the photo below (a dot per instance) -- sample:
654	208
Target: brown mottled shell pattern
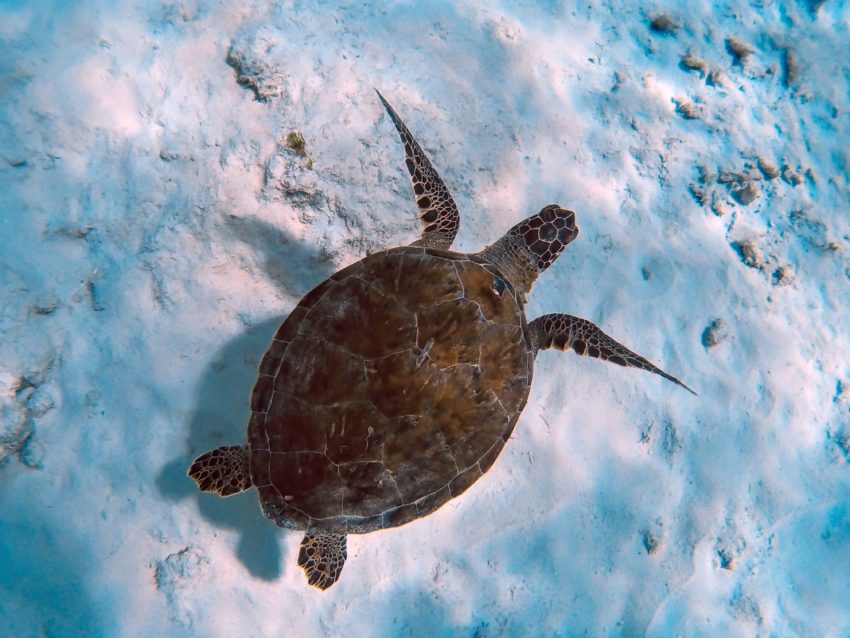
388	390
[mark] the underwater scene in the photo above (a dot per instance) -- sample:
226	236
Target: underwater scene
440	318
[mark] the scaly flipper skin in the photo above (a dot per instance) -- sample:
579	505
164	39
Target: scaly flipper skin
437	210
223	470
585	338
322	557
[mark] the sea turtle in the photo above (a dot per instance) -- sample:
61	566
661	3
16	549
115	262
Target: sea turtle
393	385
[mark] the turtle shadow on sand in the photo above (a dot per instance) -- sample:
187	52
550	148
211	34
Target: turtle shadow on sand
221	405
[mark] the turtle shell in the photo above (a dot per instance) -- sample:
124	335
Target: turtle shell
390	389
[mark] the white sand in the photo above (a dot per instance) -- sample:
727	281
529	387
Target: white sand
155	230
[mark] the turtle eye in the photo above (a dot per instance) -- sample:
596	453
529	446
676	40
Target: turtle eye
498	286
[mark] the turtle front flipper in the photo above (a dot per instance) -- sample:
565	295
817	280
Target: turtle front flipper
566	332
437	210
223	470
322	557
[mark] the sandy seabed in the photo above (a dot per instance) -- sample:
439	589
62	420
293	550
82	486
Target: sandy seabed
175	176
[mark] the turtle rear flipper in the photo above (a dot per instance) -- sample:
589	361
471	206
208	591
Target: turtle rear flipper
223	470
322	557
566	332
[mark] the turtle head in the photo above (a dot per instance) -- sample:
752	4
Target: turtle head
531	246
545	235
